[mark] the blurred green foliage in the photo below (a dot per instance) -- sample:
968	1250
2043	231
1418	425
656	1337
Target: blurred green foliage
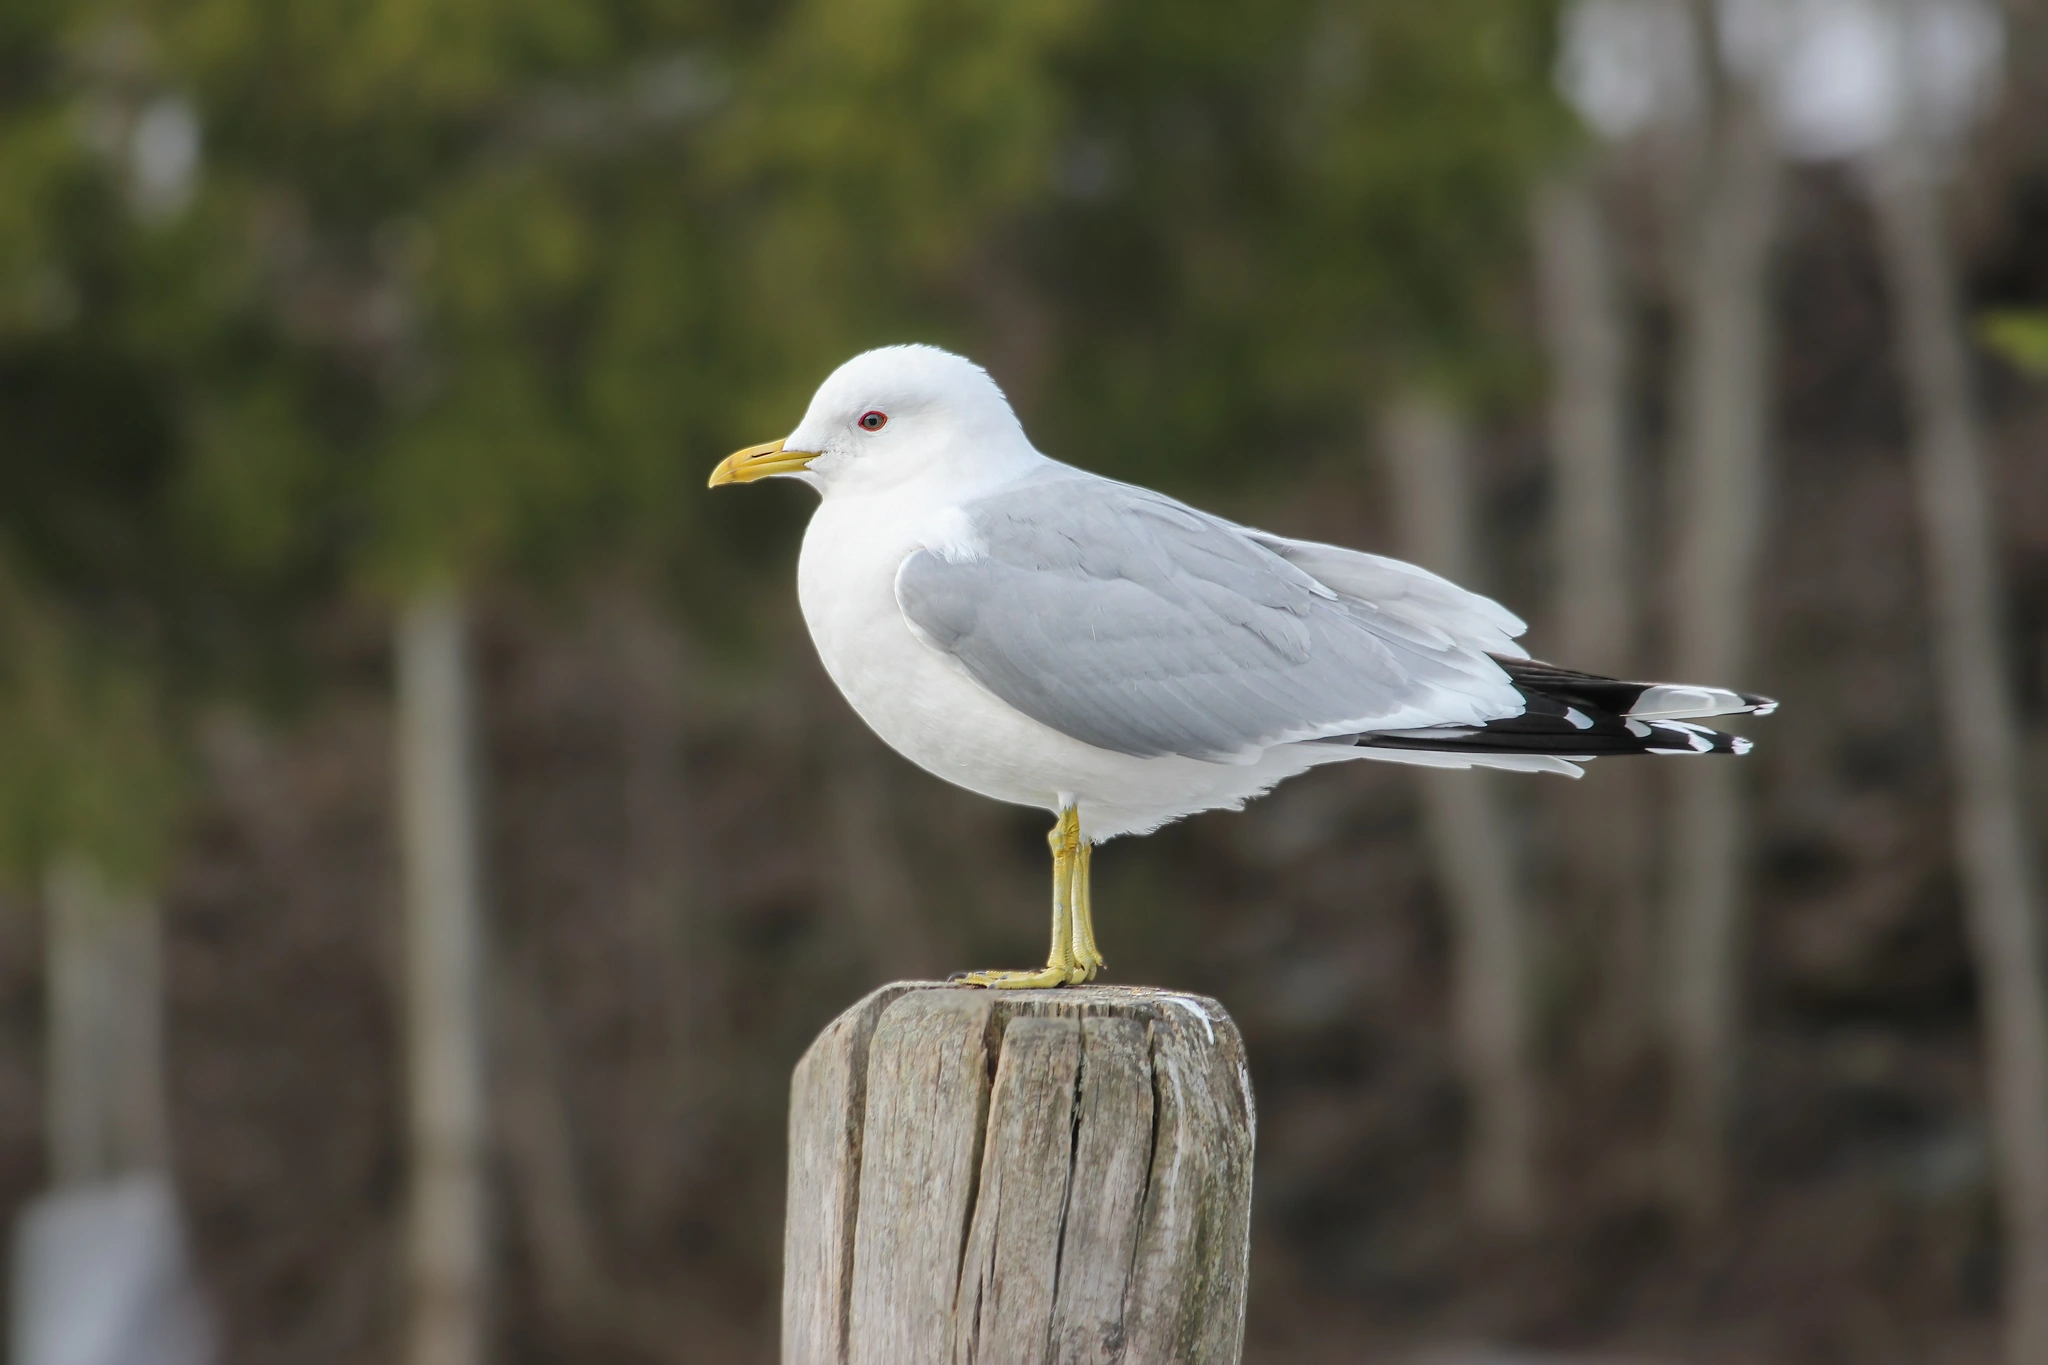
1272	212
2021	337
82	749
480	288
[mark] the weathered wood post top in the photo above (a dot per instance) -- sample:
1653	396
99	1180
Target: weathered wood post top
1030	1176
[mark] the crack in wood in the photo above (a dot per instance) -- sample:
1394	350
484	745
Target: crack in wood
1059	1256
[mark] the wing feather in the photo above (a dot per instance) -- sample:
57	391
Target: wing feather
1135	623
1406	596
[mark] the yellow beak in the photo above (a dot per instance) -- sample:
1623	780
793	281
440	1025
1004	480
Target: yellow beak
758	462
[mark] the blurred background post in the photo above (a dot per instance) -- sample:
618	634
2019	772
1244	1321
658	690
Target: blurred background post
427	843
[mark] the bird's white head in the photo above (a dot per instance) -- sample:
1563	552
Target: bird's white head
888	415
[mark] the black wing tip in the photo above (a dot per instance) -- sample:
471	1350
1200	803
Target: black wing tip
1572	715
1534	676
1559	737
1575	717
1698	739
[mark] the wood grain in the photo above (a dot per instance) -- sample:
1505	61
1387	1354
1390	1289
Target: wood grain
1112	1166
827	1104
1039	1176
928	1087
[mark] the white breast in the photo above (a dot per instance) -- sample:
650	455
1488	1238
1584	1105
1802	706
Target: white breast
915	698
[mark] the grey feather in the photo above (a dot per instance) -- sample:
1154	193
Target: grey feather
1405	595
1137	624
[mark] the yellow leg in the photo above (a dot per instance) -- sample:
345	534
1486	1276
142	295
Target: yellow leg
1069	859
1087	959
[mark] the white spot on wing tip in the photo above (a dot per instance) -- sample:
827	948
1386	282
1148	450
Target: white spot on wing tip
1742	746
1579	719
1765	708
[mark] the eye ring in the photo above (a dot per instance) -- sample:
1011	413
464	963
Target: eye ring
874	419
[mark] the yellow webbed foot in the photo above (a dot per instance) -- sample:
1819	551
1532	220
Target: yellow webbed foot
1042	979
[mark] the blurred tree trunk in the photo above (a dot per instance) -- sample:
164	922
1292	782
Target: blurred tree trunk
585	1305
1723	410
444	983
1984	738
105	1078
676	1068
874	881
540	1150
1595	616
101	1275
1472	844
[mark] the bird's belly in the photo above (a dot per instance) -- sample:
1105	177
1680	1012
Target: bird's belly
926	707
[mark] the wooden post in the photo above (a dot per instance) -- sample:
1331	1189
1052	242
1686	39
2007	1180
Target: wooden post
1031	1176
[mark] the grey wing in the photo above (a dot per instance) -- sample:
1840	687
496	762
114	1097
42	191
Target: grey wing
1403	598
1131	622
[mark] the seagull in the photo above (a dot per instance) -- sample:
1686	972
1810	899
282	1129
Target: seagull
1047	637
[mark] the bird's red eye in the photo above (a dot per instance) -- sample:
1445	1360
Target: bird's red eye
873	420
